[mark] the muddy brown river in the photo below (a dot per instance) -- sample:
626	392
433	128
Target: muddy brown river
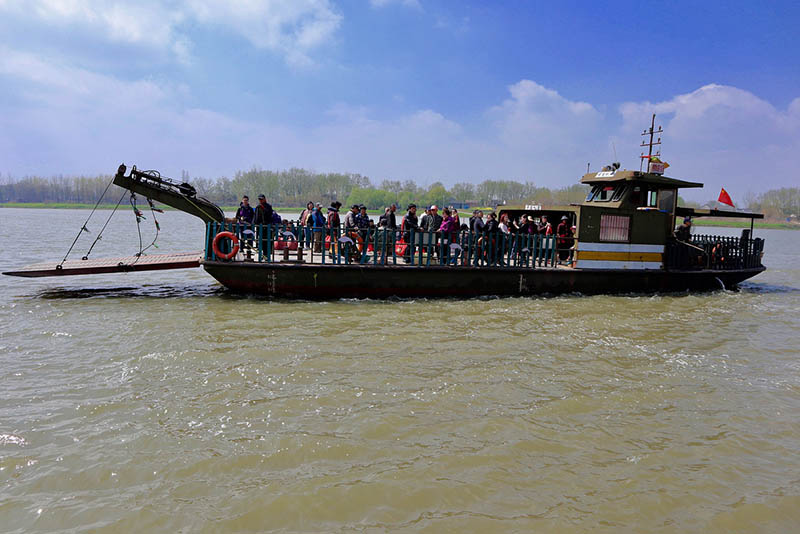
158	402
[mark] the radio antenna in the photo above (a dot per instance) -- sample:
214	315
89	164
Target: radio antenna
651	132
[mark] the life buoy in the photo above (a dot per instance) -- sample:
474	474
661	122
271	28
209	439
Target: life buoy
218	252
355	236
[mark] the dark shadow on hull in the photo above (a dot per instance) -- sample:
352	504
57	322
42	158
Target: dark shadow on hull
137	292
359	282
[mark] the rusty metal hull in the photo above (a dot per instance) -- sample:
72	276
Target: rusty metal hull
321	282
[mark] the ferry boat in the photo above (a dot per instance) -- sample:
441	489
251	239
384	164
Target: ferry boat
623	242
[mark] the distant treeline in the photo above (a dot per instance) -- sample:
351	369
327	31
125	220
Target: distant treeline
295	187
775	203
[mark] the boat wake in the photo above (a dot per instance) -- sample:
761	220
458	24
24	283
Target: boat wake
755	287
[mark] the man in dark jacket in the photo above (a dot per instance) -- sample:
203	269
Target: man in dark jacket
423	221
478	224
564	241
684	231
410	223
410	220
263	211
434	220
392	219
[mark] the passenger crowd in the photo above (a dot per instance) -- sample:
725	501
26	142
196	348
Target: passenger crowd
314	221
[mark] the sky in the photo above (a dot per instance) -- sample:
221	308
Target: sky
428	90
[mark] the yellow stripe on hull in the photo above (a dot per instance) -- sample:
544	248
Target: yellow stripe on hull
620	256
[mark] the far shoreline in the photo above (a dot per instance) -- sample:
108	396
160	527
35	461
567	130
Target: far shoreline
285	210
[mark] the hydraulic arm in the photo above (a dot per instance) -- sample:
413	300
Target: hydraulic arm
181	196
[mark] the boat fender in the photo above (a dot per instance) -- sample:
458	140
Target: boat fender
218	238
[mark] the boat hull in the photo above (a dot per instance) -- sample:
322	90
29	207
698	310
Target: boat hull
356	281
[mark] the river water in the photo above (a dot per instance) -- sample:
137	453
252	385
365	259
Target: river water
149	402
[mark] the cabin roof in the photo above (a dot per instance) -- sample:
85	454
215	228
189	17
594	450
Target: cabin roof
638	177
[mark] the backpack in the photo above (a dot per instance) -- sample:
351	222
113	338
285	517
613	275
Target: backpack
276	219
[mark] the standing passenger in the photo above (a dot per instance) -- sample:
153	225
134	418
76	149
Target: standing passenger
350	219
423	221
263	211
245	213
478	224
409	222
564	241
305	219
318	227
244	216
362	220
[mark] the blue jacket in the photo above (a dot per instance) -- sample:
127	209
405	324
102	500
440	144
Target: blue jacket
317	219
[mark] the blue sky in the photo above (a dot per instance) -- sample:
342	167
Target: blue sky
421	89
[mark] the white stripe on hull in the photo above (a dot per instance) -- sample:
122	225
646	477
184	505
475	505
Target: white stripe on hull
633	265
619	247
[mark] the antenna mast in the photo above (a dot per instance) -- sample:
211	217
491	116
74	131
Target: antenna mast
652	132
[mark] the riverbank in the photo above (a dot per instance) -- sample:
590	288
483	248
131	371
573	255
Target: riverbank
746	224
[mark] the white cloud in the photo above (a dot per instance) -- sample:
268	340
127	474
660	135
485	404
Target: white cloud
723	136
293	28
540	119
65	119
407	3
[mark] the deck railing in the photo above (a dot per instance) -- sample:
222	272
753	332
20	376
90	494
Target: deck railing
715	252
383	246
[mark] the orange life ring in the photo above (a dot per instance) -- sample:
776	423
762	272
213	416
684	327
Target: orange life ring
234	250
355	236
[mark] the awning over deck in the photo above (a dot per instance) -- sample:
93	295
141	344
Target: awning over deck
696	212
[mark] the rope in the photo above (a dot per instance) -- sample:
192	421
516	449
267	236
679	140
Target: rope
153	211
100	234
139	218
83	228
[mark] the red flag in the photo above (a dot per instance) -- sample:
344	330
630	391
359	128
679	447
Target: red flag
725	198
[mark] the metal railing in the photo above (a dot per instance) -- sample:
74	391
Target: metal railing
384	246
714	252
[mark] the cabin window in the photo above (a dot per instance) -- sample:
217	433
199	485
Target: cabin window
615	228
666	200
618	192
604	193
652	198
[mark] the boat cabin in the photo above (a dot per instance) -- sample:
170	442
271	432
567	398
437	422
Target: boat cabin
630	207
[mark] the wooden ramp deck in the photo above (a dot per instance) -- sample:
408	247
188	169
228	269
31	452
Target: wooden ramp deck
152	262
